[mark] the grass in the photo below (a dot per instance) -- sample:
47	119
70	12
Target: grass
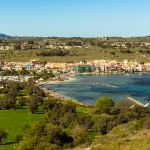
13	121
83	110
86	54
128	136
24	91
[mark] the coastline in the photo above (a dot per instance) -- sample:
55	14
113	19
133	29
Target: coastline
68	79
53	93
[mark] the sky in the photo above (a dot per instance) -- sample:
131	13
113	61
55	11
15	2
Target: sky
75	18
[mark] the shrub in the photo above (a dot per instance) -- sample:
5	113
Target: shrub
85	121
32	107
104	104
60	108
101	126
114	111
22	101
141	111
3	135
67	119
18	138
79	135
147	123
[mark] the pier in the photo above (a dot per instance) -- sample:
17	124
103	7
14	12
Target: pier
135	101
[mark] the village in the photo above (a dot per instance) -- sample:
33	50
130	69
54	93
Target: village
60	69
27	43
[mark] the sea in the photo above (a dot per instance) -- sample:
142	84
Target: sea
88	88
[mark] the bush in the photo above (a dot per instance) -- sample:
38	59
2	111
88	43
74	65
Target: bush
18	138
101	126
32	107
22	101
147	123
104	104
67	119
114	111
49	105
85	121
141	111
3	135
126	116
123	105
79	135
44	134
104	125
60	108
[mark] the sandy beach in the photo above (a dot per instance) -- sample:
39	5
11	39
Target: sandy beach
68	79
53	93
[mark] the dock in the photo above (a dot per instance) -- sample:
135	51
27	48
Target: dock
135	101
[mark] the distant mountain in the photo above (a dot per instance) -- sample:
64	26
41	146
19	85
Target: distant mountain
4	35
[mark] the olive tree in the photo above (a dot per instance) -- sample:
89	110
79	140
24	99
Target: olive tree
3	135
104	104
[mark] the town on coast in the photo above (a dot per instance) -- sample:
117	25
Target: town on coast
64	72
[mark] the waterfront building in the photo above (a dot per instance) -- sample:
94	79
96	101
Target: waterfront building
28	66
82	68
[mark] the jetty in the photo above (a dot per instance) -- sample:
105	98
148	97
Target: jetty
135	101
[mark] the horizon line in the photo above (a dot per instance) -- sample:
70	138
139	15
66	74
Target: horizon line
113	36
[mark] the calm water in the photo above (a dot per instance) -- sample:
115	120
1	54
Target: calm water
87	88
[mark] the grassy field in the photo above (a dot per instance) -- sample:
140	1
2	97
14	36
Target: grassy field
13	121
86	54
83	110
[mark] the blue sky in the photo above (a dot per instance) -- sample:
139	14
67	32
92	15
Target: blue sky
69	18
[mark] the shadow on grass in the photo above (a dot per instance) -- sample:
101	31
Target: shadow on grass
8	143
21	107
40	113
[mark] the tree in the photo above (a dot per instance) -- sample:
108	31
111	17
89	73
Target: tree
85	121
45	134
104	104
32	107
101	126
67	119
18	138
22	101
79	135
34	102
44	63
3	135
24	72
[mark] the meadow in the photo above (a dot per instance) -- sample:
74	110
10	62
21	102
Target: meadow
13	121
92	53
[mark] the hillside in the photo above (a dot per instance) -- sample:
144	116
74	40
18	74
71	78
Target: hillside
4	35
74	49
40	121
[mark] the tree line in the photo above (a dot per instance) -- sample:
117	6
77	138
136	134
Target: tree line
59	52
65	128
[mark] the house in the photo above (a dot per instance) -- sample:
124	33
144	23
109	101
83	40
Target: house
34	61
28	66
82	68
